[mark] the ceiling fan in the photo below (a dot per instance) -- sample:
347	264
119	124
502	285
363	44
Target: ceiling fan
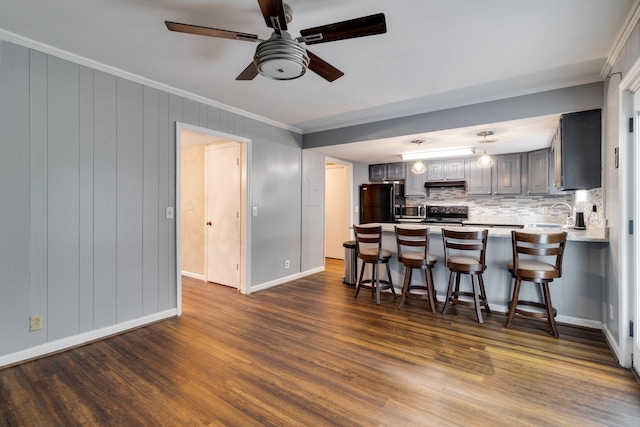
282	57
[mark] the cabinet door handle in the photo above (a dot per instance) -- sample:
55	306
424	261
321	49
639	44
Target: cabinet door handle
209	223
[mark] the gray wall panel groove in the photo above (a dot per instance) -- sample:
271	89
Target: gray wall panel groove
37	142
63	198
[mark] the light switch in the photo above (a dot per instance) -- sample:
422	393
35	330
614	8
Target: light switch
169	212
254	212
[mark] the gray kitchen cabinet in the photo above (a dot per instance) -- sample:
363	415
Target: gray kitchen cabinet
445	170
504	177
478	179
386	172
508	174
414	184
538	172
578	151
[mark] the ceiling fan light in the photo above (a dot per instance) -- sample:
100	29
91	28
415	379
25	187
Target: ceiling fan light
418	167
281	58
485	161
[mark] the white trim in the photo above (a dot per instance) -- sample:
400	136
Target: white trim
271	284
621	40
193	275
611	340
83	338
59	53
245	255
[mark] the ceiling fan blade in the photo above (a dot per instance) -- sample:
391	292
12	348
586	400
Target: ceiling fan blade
249	73
359	27
273	12
211	32
323	68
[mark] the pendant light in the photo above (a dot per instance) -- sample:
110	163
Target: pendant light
418	167
485	161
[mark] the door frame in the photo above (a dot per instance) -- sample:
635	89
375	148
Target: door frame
349	173
630	246
246	197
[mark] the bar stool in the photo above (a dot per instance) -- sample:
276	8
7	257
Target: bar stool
370	251
408	240
464	253
531	263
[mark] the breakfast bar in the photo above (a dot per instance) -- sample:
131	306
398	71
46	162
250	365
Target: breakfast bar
577	295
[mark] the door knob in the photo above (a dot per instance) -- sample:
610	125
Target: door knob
209	223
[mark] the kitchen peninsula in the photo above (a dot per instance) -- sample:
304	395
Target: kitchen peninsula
577	295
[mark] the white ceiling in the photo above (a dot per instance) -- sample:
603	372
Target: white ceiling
436	54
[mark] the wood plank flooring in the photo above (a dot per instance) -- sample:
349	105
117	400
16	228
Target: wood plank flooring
307	353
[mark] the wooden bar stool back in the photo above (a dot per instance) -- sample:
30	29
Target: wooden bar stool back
370	251
413	253
537	258
464	253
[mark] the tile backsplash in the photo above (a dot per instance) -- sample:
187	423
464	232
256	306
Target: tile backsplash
514	209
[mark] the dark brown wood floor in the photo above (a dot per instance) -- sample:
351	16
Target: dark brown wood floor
308	353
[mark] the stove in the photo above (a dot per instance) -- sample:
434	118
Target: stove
446	214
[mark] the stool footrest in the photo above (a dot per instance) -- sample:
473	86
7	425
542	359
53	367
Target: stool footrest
533	314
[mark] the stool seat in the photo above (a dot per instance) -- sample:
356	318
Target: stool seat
531	253
373	254
370	251
464	253
413	253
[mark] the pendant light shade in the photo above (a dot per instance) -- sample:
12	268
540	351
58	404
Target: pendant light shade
418	167
485	161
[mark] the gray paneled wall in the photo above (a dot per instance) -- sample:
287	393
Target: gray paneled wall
87	167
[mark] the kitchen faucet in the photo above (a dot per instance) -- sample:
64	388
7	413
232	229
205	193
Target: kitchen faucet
569	219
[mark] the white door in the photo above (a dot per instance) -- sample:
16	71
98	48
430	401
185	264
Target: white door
336	210
222	216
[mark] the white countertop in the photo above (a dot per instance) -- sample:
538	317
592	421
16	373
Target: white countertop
593	234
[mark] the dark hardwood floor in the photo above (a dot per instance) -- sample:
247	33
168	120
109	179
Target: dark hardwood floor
307	353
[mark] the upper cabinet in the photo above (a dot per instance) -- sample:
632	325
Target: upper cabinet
577	151
414	184
538	172
508	174
386	172
445	170
478	179
504	177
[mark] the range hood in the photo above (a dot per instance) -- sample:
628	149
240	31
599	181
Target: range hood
440	184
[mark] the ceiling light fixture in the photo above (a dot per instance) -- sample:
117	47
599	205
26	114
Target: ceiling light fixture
434	154
281	57
418	167
485	161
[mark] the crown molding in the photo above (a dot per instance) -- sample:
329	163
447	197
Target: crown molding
623	36
59	53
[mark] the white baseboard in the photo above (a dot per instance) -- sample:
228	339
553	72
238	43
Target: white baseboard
83	338
267	285
193	275
613	344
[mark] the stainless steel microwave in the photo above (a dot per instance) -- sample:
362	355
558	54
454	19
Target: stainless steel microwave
415	212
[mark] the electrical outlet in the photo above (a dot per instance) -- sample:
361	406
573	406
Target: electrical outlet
545	209
287	264
610	311
35	323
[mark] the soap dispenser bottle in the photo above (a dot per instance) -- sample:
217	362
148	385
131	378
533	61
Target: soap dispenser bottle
593	216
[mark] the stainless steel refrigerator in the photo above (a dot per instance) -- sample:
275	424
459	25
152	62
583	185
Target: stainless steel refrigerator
377	202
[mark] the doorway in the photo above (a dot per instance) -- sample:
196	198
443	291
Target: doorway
192	235
338	201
